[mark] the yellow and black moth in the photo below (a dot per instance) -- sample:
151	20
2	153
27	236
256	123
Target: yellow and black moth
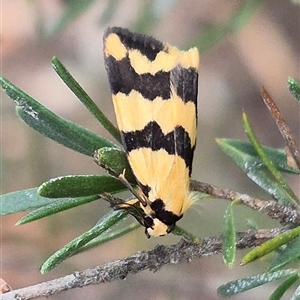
154	90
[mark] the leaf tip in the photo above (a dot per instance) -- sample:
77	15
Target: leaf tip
244	115
18	223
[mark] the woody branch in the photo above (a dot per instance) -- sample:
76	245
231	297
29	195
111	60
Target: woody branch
151	260
162	255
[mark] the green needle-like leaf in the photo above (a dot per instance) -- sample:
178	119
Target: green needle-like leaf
245	12
241	285
186	235
255	170
288	254
213	35
278	156
108	12
107	222
148	16
70	13
79	186
74	86
21	200
229	238
270	245
55	207
267	162
279	292
294	87
52	126
107	237
296	295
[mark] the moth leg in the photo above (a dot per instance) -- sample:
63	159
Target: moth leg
123	179
112	200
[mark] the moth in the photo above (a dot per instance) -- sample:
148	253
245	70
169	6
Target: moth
154	91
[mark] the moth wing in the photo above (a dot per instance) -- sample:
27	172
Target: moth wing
154	89
162	138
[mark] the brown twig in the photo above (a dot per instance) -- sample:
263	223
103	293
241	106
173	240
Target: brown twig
151	260
284	214
282	126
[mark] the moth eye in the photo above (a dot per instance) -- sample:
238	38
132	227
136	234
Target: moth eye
148	222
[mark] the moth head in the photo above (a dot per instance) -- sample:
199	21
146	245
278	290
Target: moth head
155	227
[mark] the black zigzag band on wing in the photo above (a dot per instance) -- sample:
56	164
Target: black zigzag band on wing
176	142
185	83
123	78
147	45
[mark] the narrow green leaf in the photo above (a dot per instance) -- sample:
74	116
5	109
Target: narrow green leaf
278	156
270	245
267	162
115	159
255	172
57	205
241	285
294	87
108	12
147	15
107	237
290	253
214	34
74	86
21	200
79	186
64	132
244	13
107	222
72	10
186	235
279	292
296	295
211	37
52	126
229	238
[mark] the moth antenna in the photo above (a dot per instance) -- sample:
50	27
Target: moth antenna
112	200
133	207
117	204
123	179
